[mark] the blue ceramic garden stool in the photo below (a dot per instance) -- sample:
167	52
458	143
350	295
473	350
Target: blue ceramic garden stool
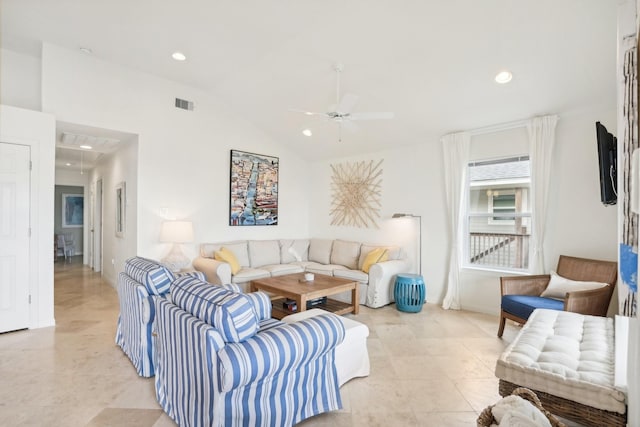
409	292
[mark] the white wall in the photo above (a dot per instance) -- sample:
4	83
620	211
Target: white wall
37	130
114	169
19	80
183	156
413	182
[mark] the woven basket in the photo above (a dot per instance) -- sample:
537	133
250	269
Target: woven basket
486	416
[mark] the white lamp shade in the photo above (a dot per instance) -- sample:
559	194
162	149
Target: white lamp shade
176	232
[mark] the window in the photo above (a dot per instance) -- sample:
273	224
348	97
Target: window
501	203
498	214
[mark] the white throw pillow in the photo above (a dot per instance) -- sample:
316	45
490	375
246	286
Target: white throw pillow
294	250
559	286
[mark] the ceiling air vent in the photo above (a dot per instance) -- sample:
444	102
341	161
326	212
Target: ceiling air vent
184	104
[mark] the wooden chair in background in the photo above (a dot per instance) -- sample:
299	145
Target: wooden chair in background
521	294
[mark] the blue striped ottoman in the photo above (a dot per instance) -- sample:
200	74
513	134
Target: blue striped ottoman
352	356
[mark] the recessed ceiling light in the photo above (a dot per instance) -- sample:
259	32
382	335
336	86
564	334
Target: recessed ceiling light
86	50
503	77
86	147
308	113
68	164
178	56
307	132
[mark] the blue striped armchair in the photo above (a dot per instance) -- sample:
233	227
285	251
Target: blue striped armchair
142	280
218	366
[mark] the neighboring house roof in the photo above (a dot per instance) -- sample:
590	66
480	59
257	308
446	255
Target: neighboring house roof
485	171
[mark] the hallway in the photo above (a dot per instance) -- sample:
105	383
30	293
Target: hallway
73	374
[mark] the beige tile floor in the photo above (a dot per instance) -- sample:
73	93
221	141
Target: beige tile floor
433	368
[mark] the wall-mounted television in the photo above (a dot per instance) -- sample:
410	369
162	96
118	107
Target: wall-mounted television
607	159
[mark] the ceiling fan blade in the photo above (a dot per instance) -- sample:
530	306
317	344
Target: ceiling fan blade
371	116
347	103
308	113
350	126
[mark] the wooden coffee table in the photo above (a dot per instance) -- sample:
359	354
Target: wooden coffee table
293	286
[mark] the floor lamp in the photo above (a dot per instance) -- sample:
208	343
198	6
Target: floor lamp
405	215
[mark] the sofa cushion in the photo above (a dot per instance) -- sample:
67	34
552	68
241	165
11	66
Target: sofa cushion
373	257
281	269
261	304
263	252
225	255
345	253
523	305
568	355
248	274
355	275
241	252
232	314
327	269
559	286
320	250
155	277
197	274
207	249
294	250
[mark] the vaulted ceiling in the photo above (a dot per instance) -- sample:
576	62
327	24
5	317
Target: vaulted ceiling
430	62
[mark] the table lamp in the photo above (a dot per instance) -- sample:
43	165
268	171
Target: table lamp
176	232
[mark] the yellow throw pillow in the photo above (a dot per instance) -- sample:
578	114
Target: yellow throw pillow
227	256
375	256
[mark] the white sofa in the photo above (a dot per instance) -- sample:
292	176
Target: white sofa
340	258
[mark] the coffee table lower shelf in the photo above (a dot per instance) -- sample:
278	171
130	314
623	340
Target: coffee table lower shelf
332	305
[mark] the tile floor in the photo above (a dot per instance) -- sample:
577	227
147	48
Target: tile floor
433	368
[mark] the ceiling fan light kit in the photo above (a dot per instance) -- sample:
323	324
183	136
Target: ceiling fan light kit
503	77
342	112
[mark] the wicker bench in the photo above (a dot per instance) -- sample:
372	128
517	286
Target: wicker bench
569	361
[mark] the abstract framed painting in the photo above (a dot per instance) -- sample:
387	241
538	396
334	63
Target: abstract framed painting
72	210
254	189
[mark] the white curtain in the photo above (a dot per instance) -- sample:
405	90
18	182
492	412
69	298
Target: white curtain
542	137
456	159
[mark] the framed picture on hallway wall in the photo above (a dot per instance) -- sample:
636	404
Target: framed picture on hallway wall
254	189
72	210
121	202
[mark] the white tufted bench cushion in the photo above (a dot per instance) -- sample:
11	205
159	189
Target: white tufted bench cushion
567	355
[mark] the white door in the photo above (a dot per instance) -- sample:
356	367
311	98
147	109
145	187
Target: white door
14	236
97	229
92	208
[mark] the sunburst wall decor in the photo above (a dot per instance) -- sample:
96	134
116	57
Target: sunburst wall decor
355	191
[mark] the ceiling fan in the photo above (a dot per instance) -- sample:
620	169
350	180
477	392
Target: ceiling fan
342	111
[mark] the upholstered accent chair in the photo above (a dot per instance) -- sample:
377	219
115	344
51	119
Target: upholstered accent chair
216	365
142	280
579	285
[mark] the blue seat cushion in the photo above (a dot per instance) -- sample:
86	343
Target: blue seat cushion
523	305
